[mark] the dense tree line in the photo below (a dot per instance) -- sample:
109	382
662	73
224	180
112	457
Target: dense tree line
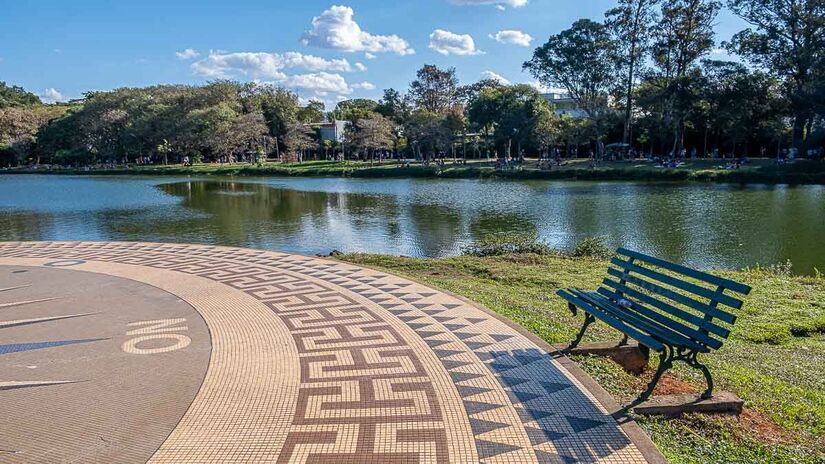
649	65
643	77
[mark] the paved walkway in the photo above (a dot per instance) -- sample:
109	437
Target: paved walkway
135	352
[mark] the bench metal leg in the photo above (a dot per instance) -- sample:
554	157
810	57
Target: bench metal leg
665	363
666	359
693	361
588	319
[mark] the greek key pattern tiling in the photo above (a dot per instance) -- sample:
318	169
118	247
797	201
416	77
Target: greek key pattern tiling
392	371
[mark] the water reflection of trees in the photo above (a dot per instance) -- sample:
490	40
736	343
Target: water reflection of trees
701	225
253	213
21	226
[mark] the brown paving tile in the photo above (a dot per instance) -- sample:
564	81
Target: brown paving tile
315	361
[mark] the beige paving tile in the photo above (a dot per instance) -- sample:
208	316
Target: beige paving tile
318	361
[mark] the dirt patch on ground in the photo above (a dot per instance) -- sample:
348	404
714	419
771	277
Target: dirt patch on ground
749	422
671	385
761	426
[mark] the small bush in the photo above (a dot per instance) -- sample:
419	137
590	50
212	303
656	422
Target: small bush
592	247
507	243
769	332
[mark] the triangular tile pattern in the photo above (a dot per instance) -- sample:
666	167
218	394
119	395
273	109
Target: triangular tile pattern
530	378
482	426
467	391
460	371
540	436
487	449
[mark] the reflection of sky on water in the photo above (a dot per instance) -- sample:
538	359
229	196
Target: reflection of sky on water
708	225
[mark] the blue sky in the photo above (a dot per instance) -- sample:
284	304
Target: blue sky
61	49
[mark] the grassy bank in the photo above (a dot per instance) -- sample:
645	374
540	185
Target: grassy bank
774	359
757	171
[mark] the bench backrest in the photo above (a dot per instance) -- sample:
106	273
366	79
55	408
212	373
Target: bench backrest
688	301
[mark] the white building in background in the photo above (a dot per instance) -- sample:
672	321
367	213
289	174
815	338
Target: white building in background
563	104
332	130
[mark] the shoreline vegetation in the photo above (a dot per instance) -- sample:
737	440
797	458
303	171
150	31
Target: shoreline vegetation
756	171
773	359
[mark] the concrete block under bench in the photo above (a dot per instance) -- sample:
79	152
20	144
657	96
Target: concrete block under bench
676	405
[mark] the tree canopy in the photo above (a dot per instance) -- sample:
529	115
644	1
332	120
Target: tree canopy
16	96
642	76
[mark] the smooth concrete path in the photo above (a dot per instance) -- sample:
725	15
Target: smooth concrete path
167	353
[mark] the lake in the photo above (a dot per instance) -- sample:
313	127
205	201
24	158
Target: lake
703	225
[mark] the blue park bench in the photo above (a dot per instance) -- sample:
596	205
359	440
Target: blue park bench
666	307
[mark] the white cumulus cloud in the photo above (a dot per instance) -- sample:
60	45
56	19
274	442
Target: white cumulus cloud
512	37
187	54
320	84
495	76
364	86
335	28
500	4
266	65
52	95
448	43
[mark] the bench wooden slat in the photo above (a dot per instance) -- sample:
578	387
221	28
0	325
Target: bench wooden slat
613	322
657	330
690	302
701	323
681	284
671	323
703	276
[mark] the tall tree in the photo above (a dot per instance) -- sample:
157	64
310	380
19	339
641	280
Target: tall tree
279	107
788	38
355	109
684	35
577	59
630	26
396	108
374	133
427	134
513	112
299	138
467	93
434	89
312	113
393	106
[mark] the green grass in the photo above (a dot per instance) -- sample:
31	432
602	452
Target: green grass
758	171
774	359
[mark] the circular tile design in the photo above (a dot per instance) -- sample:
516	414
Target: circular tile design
311	361
87	360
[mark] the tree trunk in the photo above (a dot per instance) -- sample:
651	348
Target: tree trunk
628	111
705	147
798	132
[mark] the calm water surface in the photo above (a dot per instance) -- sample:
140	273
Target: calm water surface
705	225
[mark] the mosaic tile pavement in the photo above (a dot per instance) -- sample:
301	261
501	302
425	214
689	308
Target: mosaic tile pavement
316	361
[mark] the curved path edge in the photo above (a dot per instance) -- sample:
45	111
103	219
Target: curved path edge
352	364
641	439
